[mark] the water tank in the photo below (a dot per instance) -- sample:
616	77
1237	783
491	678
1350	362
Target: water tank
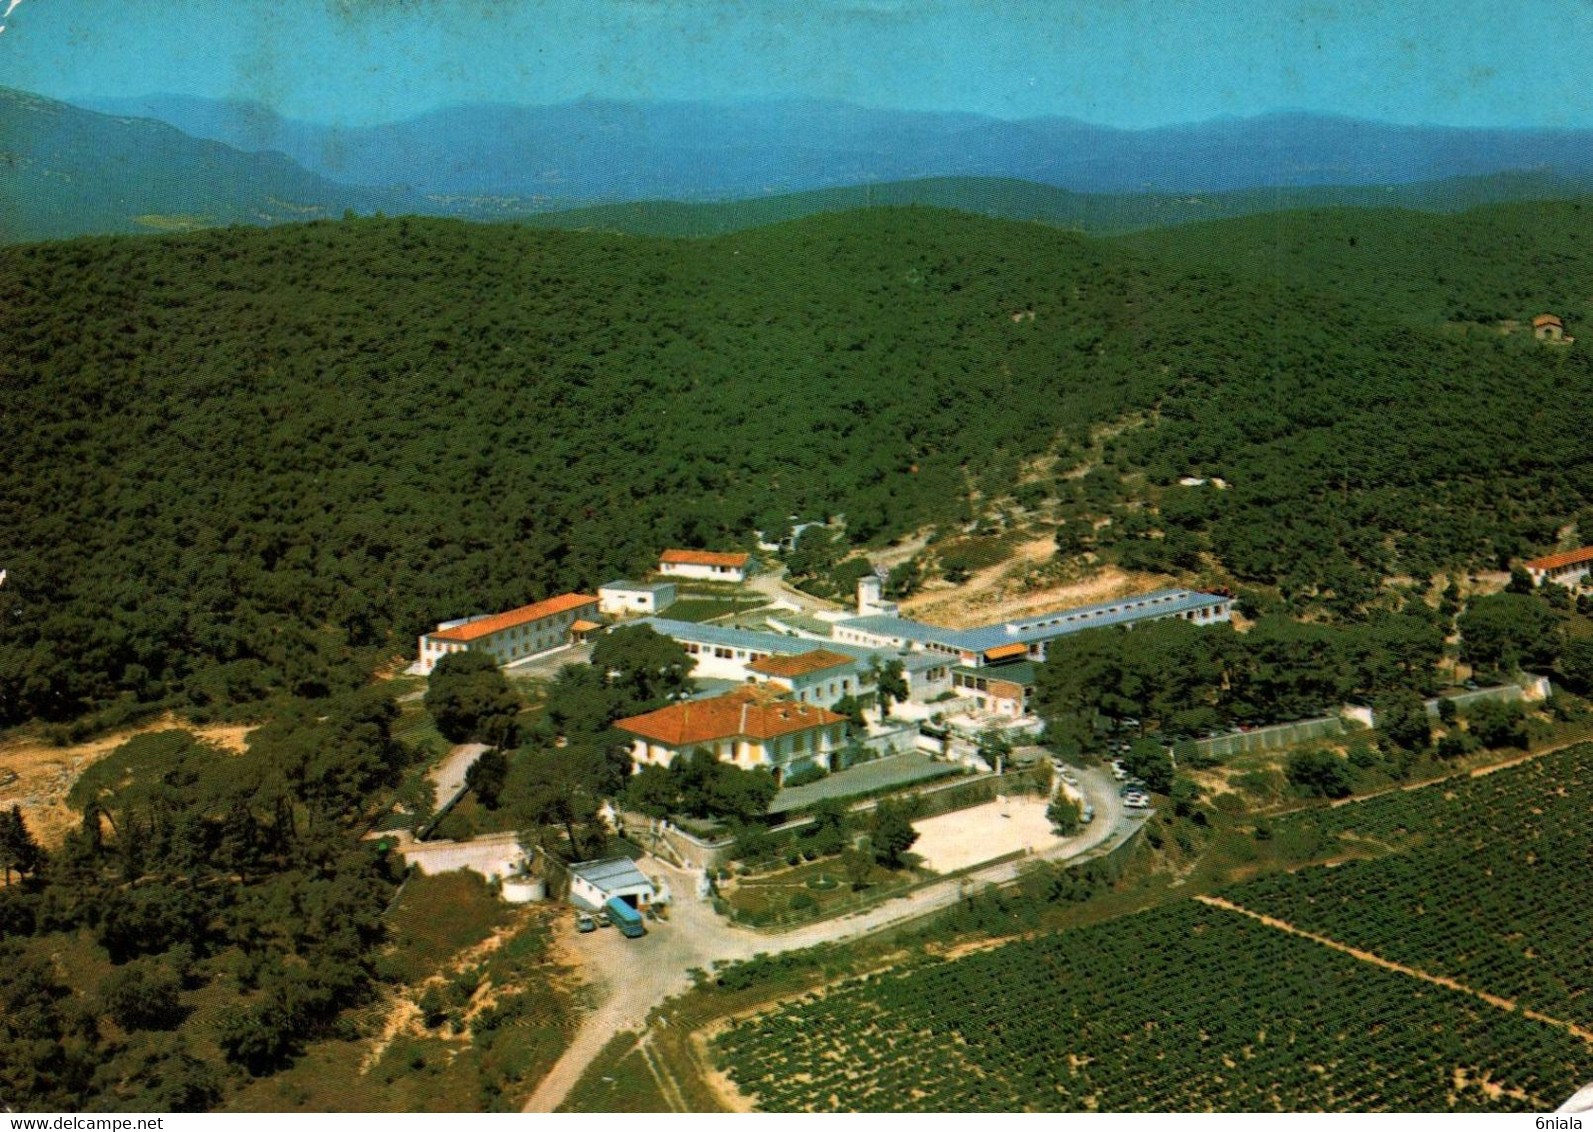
524	890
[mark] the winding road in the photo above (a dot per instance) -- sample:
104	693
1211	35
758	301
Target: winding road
632	977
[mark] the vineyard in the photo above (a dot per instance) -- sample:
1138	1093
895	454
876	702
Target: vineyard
1190	1007
1492	888
1185	1008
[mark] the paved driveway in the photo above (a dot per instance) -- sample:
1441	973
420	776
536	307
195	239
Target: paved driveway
448	776
547	666
771	584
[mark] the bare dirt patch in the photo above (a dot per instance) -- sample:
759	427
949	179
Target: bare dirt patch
45	773
964	838
1462	1077
1000	592
725	1091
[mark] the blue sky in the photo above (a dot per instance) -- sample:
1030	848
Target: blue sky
1116	62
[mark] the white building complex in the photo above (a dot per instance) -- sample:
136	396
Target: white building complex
1026	638
817	677
592	883
704	565
1568	568
750	727
623	599
520	633
725	653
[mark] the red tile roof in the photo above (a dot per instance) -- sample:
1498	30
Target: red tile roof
1564	558
1547	320
498	622
746	713
703	558
802	664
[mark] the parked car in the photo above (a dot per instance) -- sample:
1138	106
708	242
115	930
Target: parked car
603	920
1088	814
585	923
1137	801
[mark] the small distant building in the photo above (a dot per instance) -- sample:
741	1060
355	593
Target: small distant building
1568	568
1003	689
871	598
750	728
592	883
775	541
528	631
622	598
817	677
705	565
1549	328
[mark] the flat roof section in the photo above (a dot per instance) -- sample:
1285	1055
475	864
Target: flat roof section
611	873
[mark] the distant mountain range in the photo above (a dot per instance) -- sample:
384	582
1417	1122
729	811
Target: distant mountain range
69	172
594	150
683	169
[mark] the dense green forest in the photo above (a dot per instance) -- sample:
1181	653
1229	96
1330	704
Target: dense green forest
1095	213
242	462
238	883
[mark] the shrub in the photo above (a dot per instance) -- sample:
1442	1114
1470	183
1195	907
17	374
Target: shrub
1319	773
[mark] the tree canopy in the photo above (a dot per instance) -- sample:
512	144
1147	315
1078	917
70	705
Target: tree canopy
470	700
293	450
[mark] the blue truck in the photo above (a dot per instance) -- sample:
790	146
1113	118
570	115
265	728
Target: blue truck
627	919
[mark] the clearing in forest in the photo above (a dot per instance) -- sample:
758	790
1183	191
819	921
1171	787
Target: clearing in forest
999	592
45	773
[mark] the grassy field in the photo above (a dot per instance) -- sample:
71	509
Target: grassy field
619	1079
811	888
708	608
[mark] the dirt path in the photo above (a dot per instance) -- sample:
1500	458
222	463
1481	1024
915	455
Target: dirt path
668	1087
448	776
772	585
1473	772
1494	1000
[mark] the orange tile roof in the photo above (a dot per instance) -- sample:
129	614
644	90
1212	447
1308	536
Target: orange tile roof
498	622
802	664
1547	320
1001	651
703	558
586	626
746	713
1564	558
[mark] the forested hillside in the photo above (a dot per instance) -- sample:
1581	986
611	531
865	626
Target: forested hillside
243	461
